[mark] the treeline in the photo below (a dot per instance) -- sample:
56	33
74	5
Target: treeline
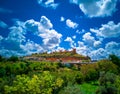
10	59
19	76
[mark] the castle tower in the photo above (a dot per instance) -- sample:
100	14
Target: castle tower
74	51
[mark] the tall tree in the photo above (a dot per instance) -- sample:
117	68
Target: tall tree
115	59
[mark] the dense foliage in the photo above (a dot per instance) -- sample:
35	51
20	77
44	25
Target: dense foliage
18	76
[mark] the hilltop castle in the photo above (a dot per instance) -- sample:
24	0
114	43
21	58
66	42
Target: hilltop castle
62	56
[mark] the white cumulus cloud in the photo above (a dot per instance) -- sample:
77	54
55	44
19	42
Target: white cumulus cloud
113	48
32	47
96	8
16	42
74	37
48	3
97	43
11	45
62	19
70	40
98	54
44	29
71	24
88	38
82	48
109	30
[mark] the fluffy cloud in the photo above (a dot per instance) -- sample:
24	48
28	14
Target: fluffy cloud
96	8
98	54
46	23
80	44
59	49
31	47
74	37
88	38
113	48
11	45
20	45
110	48
108	30
44	29
80	32
70	40
62	19
52	40
71	24
3	24
82	48
48	3
38	27
95	51
97	43
32	26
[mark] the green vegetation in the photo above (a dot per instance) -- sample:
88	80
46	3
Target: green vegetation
88	88
18	76
71	90
62	54
107	83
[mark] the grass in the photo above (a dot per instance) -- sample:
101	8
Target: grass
88	88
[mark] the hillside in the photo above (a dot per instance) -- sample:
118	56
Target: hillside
63	56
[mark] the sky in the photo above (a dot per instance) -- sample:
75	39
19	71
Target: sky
92	27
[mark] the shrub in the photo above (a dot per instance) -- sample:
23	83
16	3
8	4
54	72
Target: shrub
117	84
79	78
107	66
37	84
107	84
90	72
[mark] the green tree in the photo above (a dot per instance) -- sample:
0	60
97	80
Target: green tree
13	59
115	59
107	83
1	58
37	84
2	71
107	66
117	84
90	72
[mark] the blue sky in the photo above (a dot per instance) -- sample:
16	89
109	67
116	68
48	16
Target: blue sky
35	26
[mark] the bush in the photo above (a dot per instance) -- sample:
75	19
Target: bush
37	84
117	84
90	72
107	84
107	66
79	78
68	75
